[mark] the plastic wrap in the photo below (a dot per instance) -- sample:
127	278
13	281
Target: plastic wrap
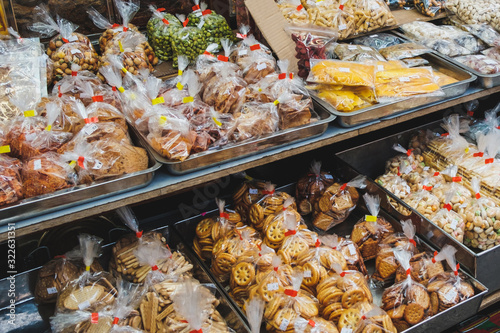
336	203
349	250
311	187
424	202
371	230
161	28
341	73
492	53
293	111
480	63
357	53
241	52
255	120
254	311
257	65
424	266
247	194
82	321
269	203
330	14
378	41
128	299
403	51
209	65
342	100
214	26
10	179
189	41
430	7
294	12
419	61
374	319
275	280
274	228
371	15
224	92
396	4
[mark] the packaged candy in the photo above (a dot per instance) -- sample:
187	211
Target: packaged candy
67	47
378	41
161	28
311	187
336	203
371	230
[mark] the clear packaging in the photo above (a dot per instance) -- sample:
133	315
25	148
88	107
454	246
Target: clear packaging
255	120
484	32
357	53
294	12
343	100
224	92
371	15
378	41
214	26
189	41
311	187
293	112
419	61
161	28
10	181
341	73
269	203
492	53
430	8
349	250
330	14
403	51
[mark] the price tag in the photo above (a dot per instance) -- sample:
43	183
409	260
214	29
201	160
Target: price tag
91	128
198	14
374	36
404	79
346	330
454	224
426	168
307	274
327	176
97	165
345	70
261	67
187	99
4	149
284	324
158	100
243	53
52	291
352	47
74	51
72	38
451	295
253	191
37	164
352	249
380	67
370	218
84	305
217	122
342	26
273	286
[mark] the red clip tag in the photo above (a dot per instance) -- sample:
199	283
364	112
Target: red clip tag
113	88
196	7
456	179
197	331
282	76
275	269
185	23
290	76
470	113
255	47
311	323
341	7
445	134
65	40
164	20
399	173
98	98
74	73
436	173
300	7
498	127
478	154
160	10
268	192
478	195
456	271
434	257
80	162
342	274
94	318
116	25
138	234
154	268
290	233
343	187
363	317
241	36
489	160
413	242
60	256
408	271
91	120
208	54
60	93
447	206
125	29
409	152
318	243
427	188
291	292
220	57
224	215
206	12
115	321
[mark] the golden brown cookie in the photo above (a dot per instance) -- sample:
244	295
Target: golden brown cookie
414	313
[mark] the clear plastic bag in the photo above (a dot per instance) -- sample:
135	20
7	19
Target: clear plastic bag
484	32
419	61
189	41
257	65
10	179
424	202
403	51
342	100
255	120
396	4
371	15
378	41
330	14
294	111
336	203
274	228
224	92
294	12
250	192
349	250
214	26
349	52
269	203
341	73
430	7
161	28
311	187
254	309
492	53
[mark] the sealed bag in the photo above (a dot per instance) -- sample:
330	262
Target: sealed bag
161	28
378	41
349	250
10	179
311	187
429	7
341	73
371	15
189	41
358	53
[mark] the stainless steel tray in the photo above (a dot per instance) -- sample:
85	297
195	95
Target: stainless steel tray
438	323
481	264
31	317
80	194
377	111
486	80
235	151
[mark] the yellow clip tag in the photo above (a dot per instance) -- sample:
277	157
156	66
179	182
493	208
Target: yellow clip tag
163	120
276	102
187	99
217	122
370	218
180	72
48	128
467	149
121	89
158	100
180	86
72	164
124	70
4	149
29	113
260	89
87	268
120	45
247	177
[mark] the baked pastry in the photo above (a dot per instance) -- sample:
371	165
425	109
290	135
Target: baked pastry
367	235
311	187
423	268
10	180
107	113
223	92
295	112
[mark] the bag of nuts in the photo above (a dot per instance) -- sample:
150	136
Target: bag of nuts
161	27
68	47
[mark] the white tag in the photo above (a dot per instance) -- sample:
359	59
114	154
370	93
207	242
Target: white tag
346	330
261	67
307	274
197	14
73	38
426	168
352	47
342	27
373	36
464	205
200	25
52	291
243	52
84	305
345	70
451	295
490	62
284	324
375	6
37	164
408	188
380	67
273	286
366	48
97	165
454	224
91	128
404	79
73	51
253	191
327	176
352	249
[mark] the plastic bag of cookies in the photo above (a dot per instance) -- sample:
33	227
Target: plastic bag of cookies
311	187
371	230
337	202
373	319
91	291
271	203
296	240
286	306
67	120
314	325
248	193
82	321
274	225
424	202
10	182
407	302
243	277
128	300
274	281
349	250
424	266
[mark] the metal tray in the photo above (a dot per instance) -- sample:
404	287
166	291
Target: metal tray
486	80
440	322
235	151
31	317
80	194
481	264
374	112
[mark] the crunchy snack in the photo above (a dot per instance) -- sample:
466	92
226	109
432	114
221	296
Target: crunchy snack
371	15
403	51
378	41
358	53
349	250
10	180
430	7
247	194
424	266
480	63
311	187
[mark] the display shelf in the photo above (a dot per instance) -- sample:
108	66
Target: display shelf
165	184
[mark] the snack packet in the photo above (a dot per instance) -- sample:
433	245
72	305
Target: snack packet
357	53
378	41
311	187
276	280
294	12
424	266
371	15
374	318
10	181
247	194
274	228
480	63
429	7
128	299
403	51
271	203
160	28
189	40
349	250
341	73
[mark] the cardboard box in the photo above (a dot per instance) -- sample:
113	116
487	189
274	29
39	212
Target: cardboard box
271	23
